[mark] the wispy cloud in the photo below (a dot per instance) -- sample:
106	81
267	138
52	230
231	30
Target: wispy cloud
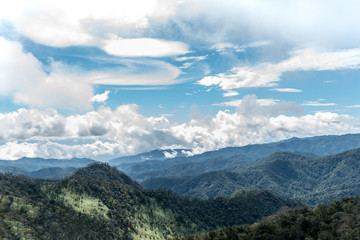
286	90
261	102
220	47
268	74
192	58
319	103
353	106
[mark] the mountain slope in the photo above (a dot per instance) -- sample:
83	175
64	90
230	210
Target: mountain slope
196	168
311	180
99	202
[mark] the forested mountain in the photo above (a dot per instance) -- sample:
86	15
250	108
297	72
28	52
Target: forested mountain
339	220
99	202
312	180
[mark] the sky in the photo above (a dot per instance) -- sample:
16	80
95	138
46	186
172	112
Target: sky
103	79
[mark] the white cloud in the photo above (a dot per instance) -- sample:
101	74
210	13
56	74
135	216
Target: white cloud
261	102
193	58
230	94
144	47
67	23
353	106
187	65
268	74
83	23
47	149
292	90
100	98
317	104
125	131
170	154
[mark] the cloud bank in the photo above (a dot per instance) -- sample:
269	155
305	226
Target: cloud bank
30	132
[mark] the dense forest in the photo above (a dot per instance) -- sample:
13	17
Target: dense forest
338	220
99	202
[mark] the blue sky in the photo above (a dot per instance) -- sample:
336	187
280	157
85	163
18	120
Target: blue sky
110	78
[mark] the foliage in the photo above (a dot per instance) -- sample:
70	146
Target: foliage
339	220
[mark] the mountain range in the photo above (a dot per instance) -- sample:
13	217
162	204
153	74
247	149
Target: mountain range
303	174
250	154
312	180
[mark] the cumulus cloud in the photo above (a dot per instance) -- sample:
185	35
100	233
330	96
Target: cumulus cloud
29	132
13	150
23	77
268	74
100	98
170	154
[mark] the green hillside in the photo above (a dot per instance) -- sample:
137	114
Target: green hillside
99	202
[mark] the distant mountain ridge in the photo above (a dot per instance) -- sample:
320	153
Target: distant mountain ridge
312	146
312	180
44	168
153	155
34	164
176	163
